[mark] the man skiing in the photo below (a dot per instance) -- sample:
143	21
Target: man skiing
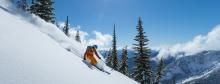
91	55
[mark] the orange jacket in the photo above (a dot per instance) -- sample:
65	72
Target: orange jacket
89	55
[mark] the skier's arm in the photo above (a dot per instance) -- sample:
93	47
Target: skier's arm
96	54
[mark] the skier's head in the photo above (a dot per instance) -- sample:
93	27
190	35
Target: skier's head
95	46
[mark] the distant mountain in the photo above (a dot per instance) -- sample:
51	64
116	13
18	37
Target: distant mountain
154	53
211	77
200	68
193	65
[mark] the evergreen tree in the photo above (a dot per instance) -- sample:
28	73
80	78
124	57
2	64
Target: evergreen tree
34	7
66	27
142	70
174	79
109	58
77	37
159	73
22	4
44	9
124	66
114	52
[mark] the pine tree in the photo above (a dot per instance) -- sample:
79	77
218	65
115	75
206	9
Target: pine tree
109	58
44	9
174	79
159	73
66	27
77	37
34	7
142	70
23	5
124	66
114	52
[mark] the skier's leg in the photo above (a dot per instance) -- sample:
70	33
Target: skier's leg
99	65
87	63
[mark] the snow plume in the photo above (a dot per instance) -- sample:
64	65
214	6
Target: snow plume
199	43
5	3
101	39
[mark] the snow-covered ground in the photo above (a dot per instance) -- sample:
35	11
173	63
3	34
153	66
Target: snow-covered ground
34	52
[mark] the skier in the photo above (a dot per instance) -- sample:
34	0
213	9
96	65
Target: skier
91	55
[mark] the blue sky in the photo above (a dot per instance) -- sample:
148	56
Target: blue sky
165	22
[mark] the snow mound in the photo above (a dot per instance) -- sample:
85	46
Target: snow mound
34	52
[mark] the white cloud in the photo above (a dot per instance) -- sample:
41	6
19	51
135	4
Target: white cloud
102	40
82	34
73	30
200	43
61	25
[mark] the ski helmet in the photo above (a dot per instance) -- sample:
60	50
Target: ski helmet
95	46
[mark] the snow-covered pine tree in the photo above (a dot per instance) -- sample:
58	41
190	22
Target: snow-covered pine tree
109	58
124	66
44	9
66	27
22	5
142	70
77	37
114	51
159	73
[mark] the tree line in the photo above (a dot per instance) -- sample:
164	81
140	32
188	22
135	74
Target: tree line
142	72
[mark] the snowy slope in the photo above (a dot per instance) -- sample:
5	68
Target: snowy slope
34	52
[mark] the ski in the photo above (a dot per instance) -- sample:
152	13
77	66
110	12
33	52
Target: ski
102	70
94	67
